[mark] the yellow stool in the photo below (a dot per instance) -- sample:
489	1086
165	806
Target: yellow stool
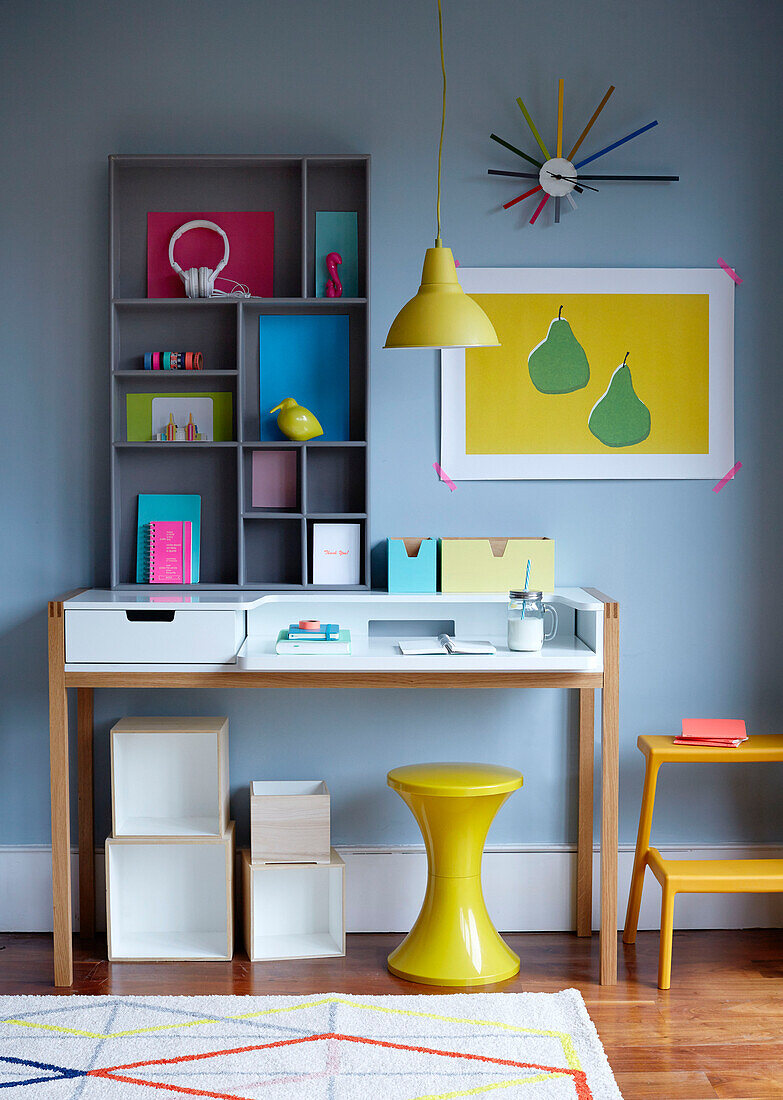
453	941
694	876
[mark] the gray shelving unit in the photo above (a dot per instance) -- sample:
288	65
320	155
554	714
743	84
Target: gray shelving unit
241	546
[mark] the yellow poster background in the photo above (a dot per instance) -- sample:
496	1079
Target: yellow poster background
666	336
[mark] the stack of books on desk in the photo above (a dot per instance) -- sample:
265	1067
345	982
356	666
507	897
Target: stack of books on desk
314	638
727	733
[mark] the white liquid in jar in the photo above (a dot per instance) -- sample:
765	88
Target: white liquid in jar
526	634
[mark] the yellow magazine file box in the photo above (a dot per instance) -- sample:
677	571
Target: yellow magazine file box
496	564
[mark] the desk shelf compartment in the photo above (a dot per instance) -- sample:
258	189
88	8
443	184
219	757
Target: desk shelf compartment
293	910
358	519
272	552
337	184
163	324
208	470
272	480
203	183
336	480
289	821
169	777
282	352
170	899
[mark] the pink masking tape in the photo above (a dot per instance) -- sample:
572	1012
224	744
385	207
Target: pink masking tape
717	488
729	271
443	476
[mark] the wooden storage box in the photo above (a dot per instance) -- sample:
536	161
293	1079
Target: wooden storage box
170	898
293	911
413	565
289	821
496	564
169	777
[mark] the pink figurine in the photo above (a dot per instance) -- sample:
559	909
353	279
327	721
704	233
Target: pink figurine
334	288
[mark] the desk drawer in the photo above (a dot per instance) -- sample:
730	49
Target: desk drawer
159	636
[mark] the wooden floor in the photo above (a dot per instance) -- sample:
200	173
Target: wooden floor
718	1032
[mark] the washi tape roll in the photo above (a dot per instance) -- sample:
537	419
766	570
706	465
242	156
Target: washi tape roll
148	360
198	361
156	360
188	360
166	360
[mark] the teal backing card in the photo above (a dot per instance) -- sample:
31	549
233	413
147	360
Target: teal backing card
168	506
337	231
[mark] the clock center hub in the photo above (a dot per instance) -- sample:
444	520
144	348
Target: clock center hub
557	177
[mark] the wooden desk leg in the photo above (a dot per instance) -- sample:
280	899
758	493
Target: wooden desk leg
584	843
84	761
61	823
610	783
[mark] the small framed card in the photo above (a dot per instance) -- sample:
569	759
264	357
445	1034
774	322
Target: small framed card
336	553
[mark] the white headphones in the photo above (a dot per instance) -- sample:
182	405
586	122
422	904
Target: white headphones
199	281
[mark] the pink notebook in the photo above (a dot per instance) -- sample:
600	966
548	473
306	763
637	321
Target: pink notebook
712	731
170	552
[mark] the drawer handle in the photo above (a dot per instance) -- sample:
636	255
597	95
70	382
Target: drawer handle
150	616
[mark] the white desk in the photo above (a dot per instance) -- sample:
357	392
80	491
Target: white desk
97	639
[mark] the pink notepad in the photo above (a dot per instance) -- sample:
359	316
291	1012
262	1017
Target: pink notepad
170	545
712	731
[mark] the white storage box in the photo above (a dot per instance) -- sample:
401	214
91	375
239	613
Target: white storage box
152	636
169	777
294	911
169	899
289	821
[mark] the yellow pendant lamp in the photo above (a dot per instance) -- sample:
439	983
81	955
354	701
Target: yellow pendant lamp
441	315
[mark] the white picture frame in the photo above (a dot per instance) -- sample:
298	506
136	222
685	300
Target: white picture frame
461	466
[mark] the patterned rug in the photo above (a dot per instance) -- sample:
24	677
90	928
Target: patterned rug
541	1046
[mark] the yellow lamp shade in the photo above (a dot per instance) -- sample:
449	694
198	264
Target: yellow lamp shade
441	315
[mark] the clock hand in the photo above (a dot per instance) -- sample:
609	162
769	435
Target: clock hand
572	179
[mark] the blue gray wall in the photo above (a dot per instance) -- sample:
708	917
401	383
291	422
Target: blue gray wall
694	571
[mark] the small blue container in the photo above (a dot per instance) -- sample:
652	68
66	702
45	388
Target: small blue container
413	565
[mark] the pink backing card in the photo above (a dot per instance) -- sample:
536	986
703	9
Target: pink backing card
251	239
274	479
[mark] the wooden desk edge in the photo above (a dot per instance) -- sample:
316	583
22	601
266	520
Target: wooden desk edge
248	678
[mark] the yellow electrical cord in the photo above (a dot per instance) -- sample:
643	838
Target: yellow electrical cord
438	242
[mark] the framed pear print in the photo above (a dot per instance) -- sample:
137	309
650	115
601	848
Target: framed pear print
601	373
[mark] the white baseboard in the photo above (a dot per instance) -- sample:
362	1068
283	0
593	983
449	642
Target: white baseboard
526	889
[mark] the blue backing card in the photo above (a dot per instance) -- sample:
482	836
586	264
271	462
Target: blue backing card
305	357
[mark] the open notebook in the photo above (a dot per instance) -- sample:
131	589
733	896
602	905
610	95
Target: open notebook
444	643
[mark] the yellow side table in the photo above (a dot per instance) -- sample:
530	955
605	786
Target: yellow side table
453	941
694	876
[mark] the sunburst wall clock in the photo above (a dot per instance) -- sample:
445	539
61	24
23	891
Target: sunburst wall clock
559	176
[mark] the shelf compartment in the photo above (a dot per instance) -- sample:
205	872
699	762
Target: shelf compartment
194	385
294	911
272	552
272	480
339	184
169	777
193	184
175	326
209	470
170	899
350	419
336	479
362	560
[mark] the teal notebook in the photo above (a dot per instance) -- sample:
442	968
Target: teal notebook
167	506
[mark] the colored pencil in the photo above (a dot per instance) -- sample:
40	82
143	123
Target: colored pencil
519	198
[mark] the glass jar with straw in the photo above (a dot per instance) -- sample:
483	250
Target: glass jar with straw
526	613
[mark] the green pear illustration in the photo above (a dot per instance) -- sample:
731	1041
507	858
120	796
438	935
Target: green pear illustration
559	364
619	418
